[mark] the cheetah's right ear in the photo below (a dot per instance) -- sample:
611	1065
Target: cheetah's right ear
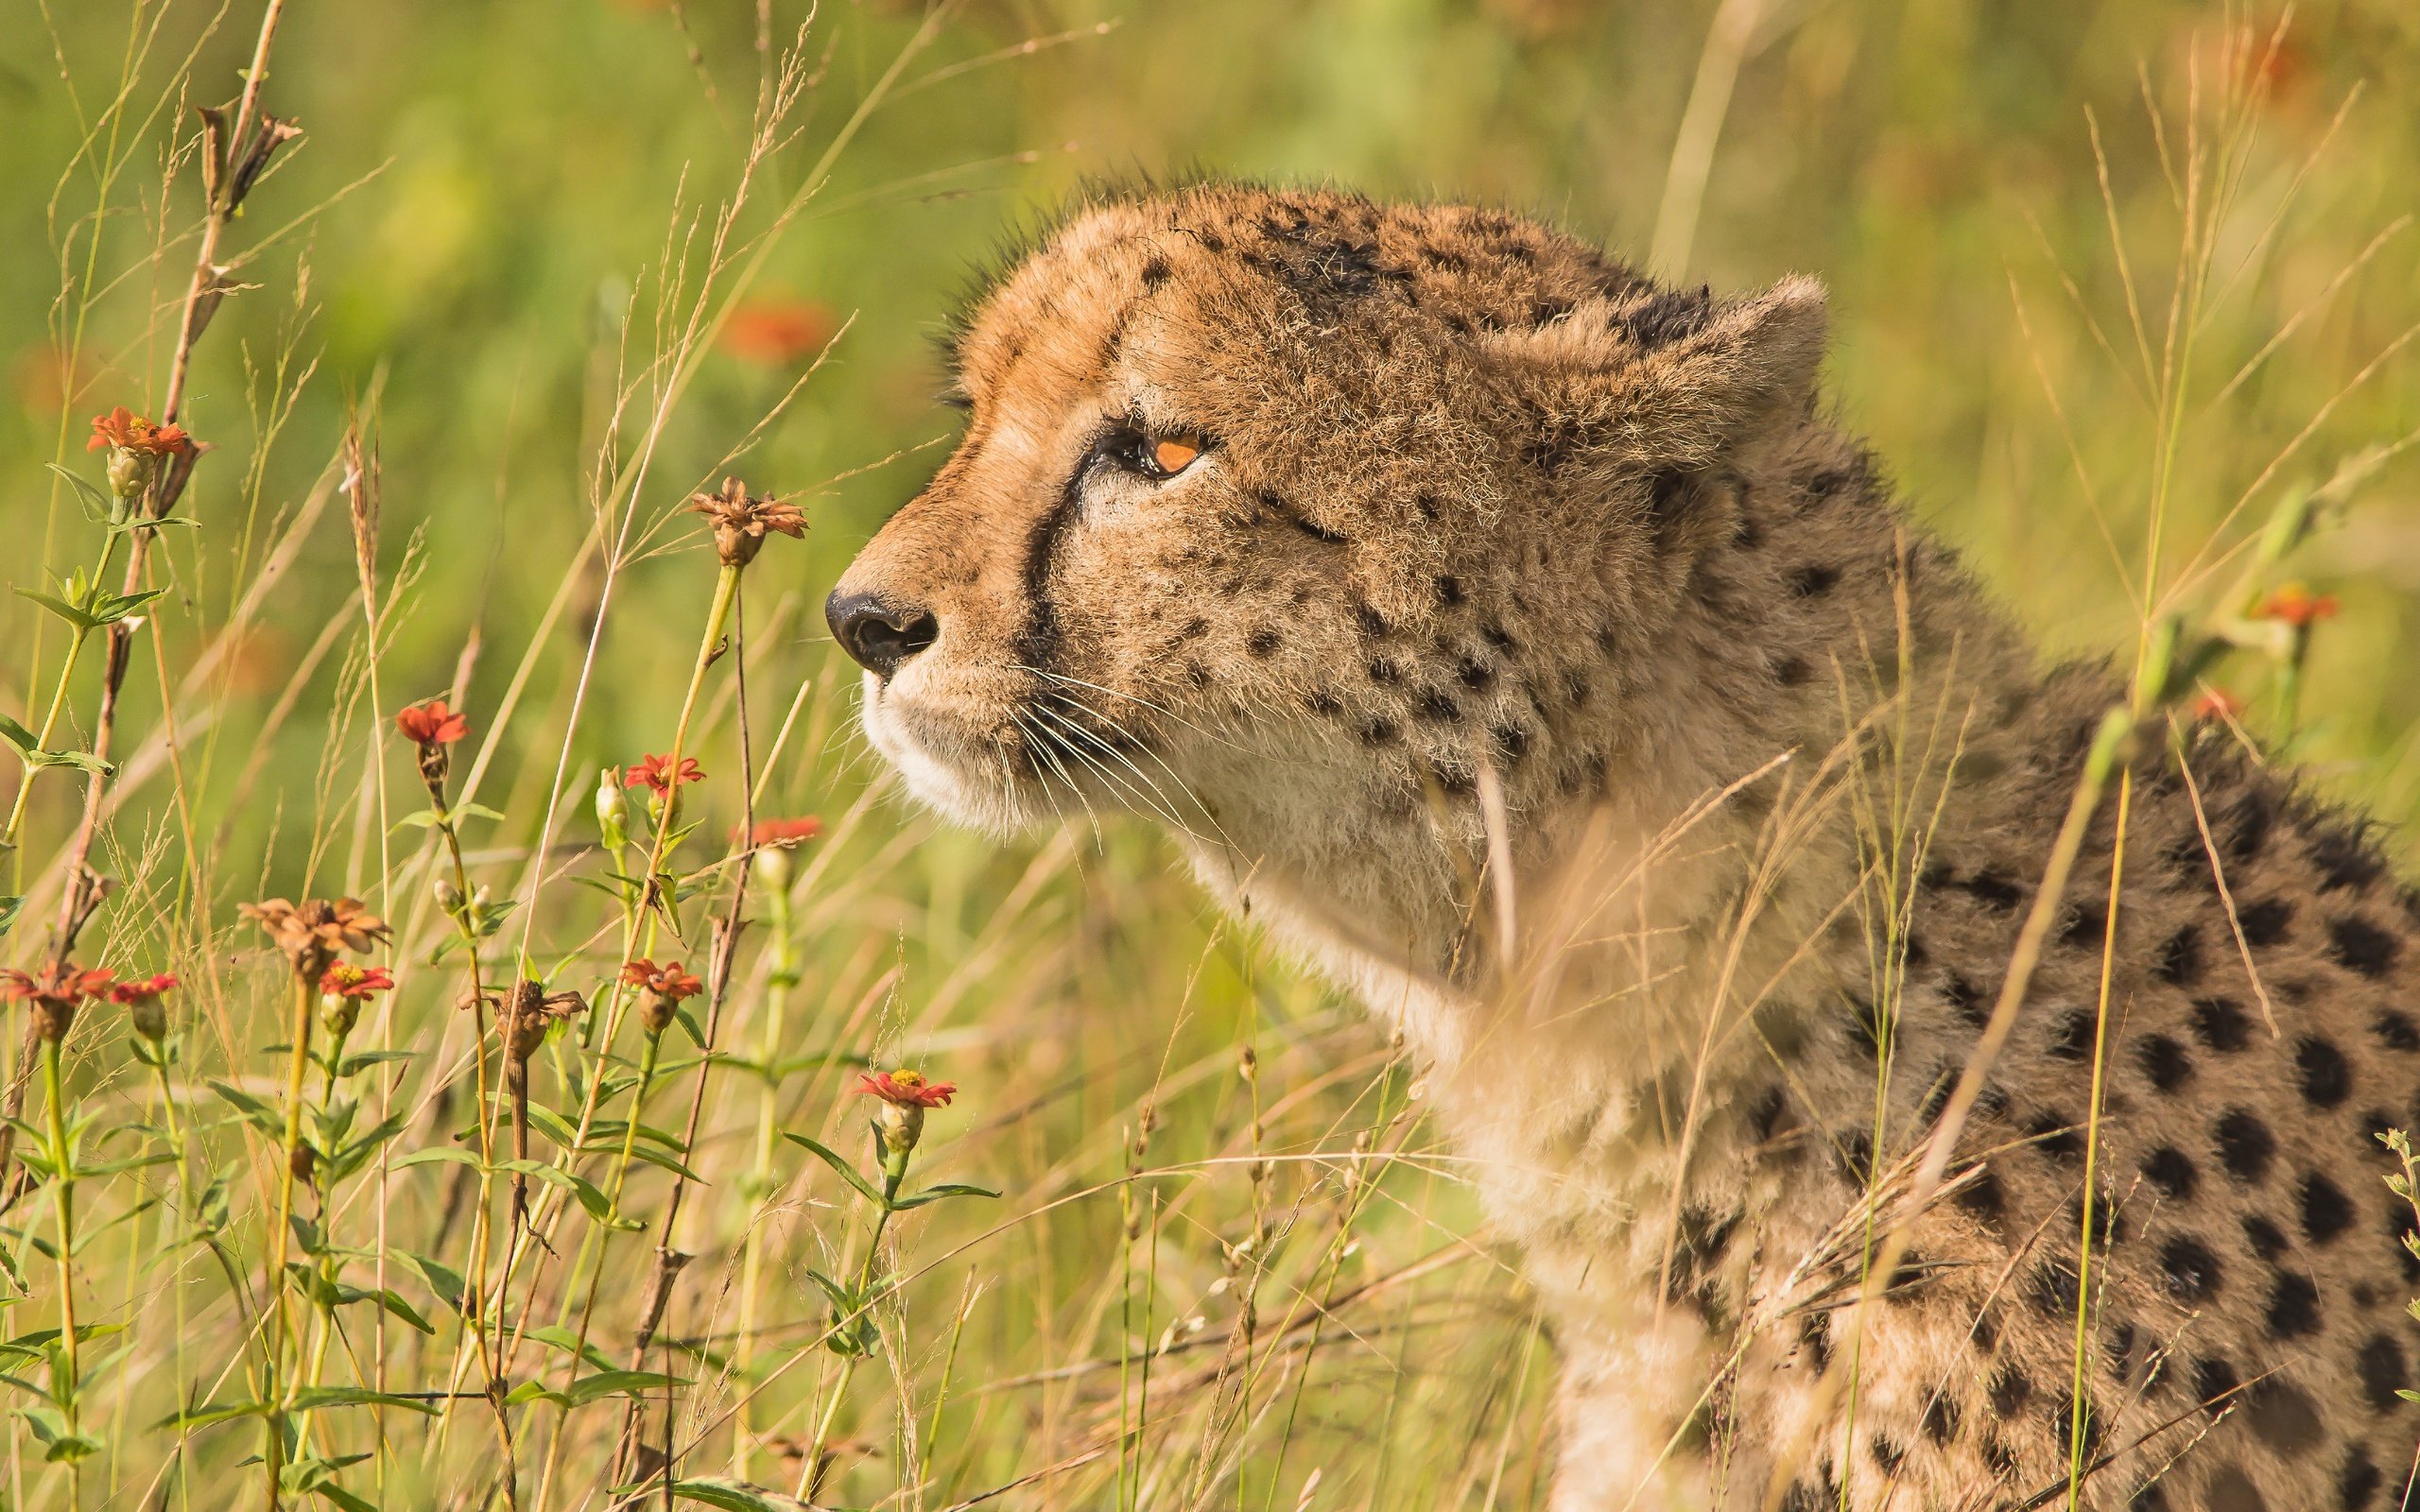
1668	381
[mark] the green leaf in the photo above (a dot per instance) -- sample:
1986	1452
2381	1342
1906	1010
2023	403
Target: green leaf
557	1336
433	1154
535	1391
9	907
355	1065
620	1384
337	1494
256	1112
947	1189
16	1276
64	610
474	811
729	1495
18	735
445	1282
216	1412
311	1399
98	505
832	1159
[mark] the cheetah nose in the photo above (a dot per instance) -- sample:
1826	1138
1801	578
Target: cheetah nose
879	634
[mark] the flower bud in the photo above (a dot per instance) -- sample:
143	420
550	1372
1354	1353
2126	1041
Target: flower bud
449	896
902	1125
300	1159
339	1013
149	1017
773	866
129	471
657	1011
613	810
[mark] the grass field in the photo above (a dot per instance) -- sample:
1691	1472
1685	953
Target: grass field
536	272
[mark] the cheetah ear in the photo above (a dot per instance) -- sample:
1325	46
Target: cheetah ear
1669	380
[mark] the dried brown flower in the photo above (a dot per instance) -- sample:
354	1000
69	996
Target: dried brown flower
741	520
313	931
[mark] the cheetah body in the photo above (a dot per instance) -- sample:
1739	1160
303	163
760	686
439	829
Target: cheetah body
1527	649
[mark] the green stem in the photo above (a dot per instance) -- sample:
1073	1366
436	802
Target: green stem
783	973
65	1386
298	1068
894	1171
58	706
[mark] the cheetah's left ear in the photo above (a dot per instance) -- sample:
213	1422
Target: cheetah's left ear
1669	380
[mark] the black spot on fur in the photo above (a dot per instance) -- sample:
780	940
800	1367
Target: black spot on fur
2265	1239
1963	999
2180	957
2361	946
1474	674
1983	1196
2056	1136
1791	671
2282	1417
2221	1023
1449	591
1765	1114
2165	1062
1815	1339
1994	891
1888	1455
2345	857
2264	922
1855	1155
2245	1145
2293	1307
2064	1420
2085	926
1430	505
2395	1030
2215	1384
2249	823
2054	1287
1379	732
2072	1038
1435	707
1325	703
1263	642
1664	317
1373	624
2191	1270
2383	1371
1384	671
2170	1170
1941	1419
2327	1076
1155	273
2357	1485
2009	1390
1512	740
1813	582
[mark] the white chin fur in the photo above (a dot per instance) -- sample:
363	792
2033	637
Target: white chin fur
934	781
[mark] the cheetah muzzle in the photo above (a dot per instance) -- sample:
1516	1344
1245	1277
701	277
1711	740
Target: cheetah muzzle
1519	641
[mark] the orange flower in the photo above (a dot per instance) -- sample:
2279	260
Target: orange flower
2297	606
128	432
667	980
55	993
346	980
432	724
776	331
905	1089
785	831
657	776
147	990
2218	705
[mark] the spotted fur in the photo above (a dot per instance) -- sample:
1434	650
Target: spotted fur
1490	524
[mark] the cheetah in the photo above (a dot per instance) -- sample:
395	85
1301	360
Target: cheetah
1518	640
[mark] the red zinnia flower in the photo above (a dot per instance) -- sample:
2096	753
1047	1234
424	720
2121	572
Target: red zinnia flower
657	775
905	1089
148	990
129	432
53	993
2297	606
666	981
346	980
785	831
432	724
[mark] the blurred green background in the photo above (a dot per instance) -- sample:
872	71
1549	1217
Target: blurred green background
484	191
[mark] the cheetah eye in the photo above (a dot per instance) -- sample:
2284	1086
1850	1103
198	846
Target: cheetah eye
1154	458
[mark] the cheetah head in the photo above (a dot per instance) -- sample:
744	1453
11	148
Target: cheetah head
1274	509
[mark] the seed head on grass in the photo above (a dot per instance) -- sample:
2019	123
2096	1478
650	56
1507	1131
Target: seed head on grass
55	993
741	520
140	999
312	932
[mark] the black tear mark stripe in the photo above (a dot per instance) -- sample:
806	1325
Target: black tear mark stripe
1038	647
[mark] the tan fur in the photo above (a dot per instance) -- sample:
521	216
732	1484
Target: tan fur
1486	513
